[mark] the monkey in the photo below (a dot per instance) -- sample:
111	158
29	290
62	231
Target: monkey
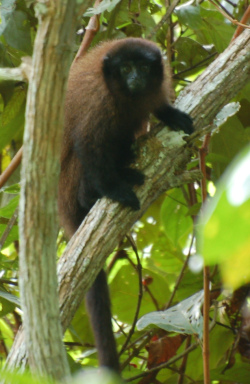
112	90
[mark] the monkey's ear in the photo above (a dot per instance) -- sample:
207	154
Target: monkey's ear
106	57
106	60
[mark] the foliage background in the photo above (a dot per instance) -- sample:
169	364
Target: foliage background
196	32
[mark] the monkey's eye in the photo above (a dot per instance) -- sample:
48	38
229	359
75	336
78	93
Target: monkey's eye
126	68
145	68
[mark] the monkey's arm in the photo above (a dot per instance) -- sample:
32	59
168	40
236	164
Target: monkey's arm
174	118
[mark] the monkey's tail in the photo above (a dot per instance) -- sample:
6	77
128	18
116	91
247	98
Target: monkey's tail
99	309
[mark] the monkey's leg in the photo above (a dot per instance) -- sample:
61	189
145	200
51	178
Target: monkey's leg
133	176
98	306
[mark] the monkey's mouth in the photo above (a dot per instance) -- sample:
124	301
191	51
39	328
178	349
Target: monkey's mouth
135	86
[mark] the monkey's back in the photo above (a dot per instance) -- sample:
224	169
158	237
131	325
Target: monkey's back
86	94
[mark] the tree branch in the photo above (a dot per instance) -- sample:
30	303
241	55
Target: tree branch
20	73
162	157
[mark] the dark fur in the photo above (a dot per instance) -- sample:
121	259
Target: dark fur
102	119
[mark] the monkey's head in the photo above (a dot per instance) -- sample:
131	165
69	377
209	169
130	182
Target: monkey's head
133	67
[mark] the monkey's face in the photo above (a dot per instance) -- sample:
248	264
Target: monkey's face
135	76
133	69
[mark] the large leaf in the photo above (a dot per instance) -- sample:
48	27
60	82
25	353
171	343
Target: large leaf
10	298
226	144
12	118
7	8
10	208
224	225
209	25
17	32
184	317
124	293
175	217
105	5
189	15
190	54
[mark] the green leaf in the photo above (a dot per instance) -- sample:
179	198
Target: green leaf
184	317
12	118
220	341
7	8
214	29
190	54
189	15
17	32
174	215
10	208
105	5
208	24
11	298
7	212
24	378
224	225
7	333
6	305
13	235
238	373
124	293
227	143
11	189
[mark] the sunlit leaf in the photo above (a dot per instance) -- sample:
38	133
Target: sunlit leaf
174	214
11	298
224	225
10	208
105	5
184	317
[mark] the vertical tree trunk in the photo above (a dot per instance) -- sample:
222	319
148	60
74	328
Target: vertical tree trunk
38	203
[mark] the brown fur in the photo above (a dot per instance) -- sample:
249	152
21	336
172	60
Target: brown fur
102	119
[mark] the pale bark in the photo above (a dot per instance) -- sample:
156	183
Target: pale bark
15	74
39	179
163	159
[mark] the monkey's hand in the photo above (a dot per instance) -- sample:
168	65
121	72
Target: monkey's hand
175	119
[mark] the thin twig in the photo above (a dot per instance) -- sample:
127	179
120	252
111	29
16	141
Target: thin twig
167	364
200	63
8	228
9	282
180	276
243	21
11	167
223	8
184	362
164	19
233	21
146	337
91	30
